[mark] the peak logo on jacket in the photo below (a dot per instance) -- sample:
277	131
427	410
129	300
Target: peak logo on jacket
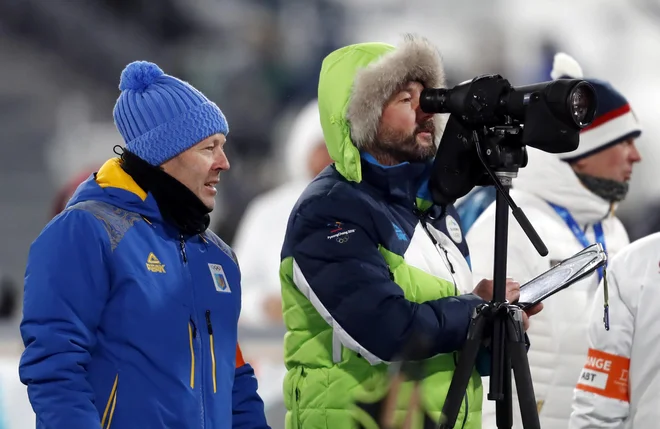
154	265
219	278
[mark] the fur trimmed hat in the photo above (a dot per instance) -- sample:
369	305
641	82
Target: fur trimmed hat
415	59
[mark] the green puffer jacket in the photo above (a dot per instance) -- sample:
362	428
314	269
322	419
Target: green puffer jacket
356	269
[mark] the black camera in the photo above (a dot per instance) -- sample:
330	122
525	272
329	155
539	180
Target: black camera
491	122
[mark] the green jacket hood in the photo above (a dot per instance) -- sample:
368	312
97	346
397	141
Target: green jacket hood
335	84
354	84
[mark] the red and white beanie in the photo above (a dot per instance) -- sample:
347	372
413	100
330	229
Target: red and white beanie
614	122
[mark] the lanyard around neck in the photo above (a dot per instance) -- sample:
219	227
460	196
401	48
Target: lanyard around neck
579	233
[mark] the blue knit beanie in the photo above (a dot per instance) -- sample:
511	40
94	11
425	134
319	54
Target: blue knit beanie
160	116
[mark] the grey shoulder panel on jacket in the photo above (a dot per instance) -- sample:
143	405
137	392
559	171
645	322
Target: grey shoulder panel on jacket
213	238
115	220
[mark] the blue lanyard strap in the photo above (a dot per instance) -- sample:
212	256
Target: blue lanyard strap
579	234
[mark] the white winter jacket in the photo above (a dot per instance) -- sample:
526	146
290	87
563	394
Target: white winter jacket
260	234
558	333
259	240
619	386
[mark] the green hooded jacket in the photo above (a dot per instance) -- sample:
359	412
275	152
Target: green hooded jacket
327	370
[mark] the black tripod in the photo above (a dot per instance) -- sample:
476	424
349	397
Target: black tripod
498	320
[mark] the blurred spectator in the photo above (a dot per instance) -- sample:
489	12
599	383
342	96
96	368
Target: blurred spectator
260	234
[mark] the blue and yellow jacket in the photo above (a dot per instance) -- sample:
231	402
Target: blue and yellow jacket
128	324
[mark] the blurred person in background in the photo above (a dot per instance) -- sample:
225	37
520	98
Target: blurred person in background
369	264
260	234
619	386
131	304
570	199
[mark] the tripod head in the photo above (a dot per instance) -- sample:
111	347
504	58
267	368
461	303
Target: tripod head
500	148
484	156
501	155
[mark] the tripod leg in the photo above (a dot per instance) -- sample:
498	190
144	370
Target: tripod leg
495	392
504	411
522	374
463	372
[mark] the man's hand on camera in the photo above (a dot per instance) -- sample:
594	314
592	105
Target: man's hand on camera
484	290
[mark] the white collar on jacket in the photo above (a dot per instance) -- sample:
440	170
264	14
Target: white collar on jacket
553	180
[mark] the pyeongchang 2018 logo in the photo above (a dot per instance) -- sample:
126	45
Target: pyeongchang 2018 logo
338	233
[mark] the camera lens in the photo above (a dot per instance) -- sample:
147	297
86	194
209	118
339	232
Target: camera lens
581	104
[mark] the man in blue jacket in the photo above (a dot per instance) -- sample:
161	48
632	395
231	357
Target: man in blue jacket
131	305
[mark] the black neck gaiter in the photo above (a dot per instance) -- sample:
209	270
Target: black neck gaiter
609	190
177	204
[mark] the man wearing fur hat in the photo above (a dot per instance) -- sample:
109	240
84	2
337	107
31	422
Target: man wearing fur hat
369	264
570	199
131	304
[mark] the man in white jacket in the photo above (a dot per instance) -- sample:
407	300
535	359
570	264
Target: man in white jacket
570	200
619	387
261	231
259	239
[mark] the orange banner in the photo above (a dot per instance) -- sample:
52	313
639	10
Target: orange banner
606	375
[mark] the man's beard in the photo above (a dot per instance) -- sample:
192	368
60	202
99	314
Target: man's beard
403	147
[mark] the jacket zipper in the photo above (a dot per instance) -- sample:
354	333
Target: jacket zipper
184	255
210	329
182	243
192	331
110	406
438	248
436	243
